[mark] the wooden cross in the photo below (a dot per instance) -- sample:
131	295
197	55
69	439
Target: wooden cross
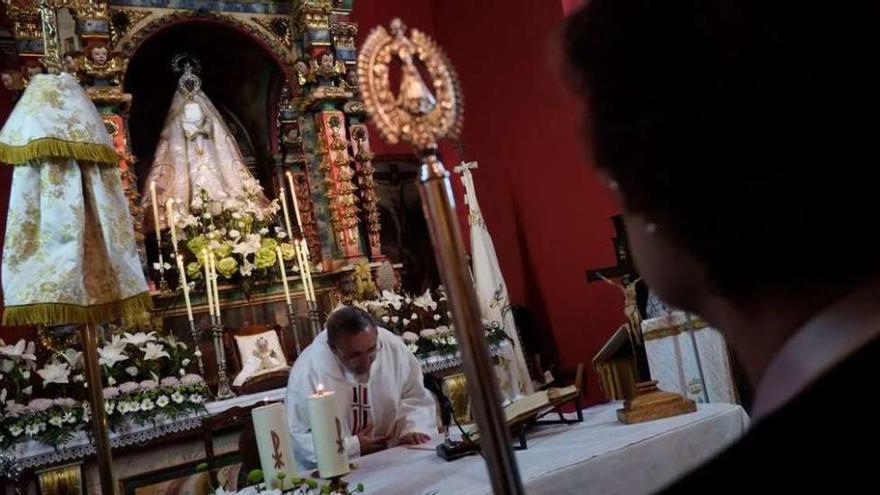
624	264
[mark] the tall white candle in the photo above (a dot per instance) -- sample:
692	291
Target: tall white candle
208	284
273	443
286	214
308	269
170	220
300	259
299	220
327	434
300	263
216	288
156	221
283	274
183	284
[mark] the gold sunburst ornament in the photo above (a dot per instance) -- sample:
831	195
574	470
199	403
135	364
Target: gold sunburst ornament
417	113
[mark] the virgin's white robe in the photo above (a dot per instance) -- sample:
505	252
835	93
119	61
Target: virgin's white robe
392	398
196	151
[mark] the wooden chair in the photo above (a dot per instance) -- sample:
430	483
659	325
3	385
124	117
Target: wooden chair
268	381
229	419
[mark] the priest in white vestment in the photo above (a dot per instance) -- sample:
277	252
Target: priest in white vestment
377	381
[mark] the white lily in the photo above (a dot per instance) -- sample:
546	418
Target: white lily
154	351
140	338
72	356
426	301
391	298
21	350
55	372
110	355
117	341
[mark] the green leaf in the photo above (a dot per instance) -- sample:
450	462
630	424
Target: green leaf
255	476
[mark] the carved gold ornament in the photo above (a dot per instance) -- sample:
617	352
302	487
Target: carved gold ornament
419	114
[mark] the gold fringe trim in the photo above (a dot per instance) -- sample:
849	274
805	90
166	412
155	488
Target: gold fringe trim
132	309
57	148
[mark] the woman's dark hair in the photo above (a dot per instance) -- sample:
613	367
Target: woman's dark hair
745	129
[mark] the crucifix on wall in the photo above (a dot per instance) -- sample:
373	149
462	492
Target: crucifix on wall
625	277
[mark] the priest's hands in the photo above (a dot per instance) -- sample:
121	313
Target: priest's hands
370	444
414	438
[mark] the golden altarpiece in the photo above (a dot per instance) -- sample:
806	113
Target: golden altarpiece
282	77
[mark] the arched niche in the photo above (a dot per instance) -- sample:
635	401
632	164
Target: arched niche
238	74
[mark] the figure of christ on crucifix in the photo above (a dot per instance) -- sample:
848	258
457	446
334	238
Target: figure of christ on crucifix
634	294
630	305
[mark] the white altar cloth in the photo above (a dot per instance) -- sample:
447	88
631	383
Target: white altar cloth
599	455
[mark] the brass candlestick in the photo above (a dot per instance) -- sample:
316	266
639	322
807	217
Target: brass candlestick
163	284
196	335
223	389
314	319
291	319
421	118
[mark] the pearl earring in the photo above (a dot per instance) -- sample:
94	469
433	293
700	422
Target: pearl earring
651	228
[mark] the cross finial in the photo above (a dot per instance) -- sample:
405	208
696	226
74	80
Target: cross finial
459	169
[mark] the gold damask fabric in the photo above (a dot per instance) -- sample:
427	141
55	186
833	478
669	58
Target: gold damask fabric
69	254
55	118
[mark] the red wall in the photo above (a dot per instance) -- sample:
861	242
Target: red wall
543	204
570	5
5	175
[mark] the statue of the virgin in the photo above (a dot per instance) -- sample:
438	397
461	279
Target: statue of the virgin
197	152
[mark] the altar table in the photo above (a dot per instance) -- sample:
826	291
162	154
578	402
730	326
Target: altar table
599	456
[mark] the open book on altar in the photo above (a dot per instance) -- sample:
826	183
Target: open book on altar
526	406
531	405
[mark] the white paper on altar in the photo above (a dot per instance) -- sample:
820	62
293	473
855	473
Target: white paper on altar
673	362
490	286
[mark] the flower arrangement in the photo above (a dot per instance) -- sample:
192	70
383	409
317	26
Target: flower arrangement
424	322
146	377
298	486
241	233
